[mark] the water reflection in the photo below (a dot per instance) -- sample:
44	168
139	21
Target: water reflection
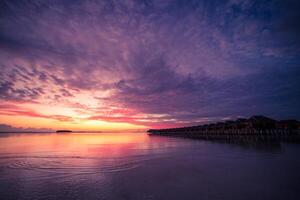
136	166
261	143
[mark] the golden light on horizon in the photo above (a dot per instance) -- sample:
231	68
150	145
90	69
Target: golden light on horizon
80	125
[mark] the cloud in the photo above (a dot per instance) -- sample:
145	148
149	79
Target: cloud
189	61
19	110
4	128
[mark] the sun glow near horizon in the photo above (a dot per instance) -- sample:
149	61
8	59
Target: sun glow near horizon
25	122
83	111
41	116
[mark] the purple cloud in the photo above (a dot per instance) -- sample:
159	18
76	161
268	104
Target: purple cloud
185	60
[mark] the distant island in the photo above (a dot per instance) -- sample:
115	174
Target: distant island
261	126
63	131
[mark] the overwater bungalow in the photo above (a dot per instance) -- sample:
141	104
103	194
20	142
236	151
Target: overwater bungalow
255	125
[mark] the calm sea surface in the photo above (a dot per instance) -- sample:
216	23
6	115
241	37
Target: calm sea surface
137	166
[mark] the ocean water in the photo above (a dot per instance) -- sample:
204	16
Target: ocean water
137	166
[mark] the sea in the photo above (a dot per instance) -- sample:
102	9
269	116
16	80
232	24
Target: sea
138	166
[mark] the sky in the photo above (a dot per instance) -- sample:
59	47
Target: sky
134	65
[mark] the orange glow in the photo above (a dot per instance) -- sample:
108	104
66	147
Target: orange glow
80	125
35	115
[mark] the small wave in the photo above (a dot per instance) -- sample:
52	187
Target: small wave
42	167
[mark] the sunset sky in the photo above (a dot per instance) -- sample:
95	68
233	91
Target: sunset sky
116	65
